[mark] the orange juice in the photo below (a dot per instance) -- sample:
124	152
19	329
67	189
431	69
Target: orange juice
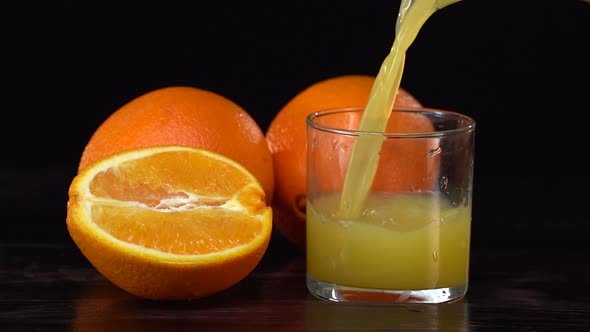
399	242
365	156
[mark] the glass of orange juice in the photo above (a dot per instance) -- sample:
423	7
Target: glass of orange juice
402	233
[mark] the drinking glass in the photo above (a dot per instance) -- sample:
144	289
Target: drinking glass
397	228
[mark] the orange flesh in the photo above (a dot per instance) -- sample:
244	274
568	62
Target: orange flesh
160	213
199	231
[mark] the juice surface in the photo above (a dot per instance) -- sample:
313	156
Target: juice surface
398	242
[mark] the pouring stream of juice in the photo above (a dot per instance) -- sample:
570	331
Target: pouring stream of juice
365	153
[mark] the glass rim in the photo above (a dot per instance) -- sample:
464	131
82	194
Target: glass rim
470	123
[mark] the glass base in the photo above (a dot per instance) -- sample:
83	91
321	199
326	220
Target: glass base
339	293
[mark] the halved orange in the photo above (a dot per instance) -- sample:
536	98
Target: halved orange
169	222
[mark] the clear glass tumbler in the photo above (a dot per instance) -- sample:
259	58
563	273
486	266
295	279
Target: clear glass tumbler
394	225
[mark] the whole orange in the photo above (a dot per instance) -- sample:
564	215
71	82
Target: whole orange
286	137
187	116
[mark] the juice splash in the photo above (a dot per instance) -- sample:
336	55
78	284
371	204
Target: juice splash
365	154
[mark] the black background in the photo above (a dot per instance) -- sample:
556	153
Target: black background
520	68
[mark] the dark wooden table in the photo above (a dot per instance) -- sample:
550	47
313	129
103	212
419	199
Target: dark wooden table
52	287
530	271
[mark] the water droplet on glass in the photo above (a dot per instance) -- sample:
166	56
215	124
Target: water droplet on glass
334	144
434	256
434	152
444	182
